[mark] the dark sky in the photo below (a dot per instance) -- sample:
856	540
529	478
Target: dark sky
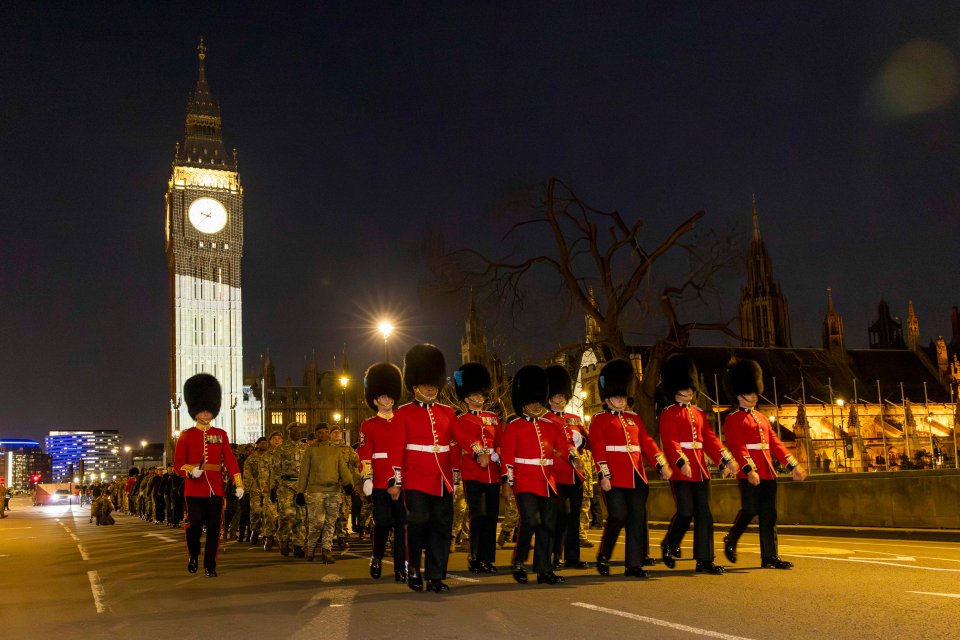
363	128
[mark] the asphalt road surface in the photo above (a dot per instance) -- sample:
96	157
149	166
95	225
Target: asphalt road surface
61	576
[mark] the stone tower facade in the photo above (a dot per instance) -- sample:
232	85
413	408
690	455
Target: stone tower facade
833	339
764	317
204	245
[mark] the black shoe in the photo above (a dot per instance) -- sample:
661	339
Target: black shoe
676	552
298	552
775	563
549	578
636	572
375	568
648	562
603	566
415	581
488	567
192	565
475	566
556	562
576	564
666	554
399	576
210	572
255	538
438	586
519	573
709	567
730	549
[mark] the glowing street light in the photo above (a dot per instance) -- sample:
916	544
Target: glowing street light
336	417
385	328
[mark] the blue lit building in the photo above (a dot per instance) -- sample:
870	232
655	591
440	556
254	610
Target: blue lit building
98	451
20	459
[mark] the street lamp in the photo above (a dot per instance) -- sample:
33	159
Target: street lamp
344	381
126	450
143	453
386	328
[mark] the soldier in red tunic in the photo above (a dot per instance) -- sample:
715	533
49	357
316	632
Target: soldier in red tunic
528	449
200	452
477	433
383	385
687	440
617	439
752	441
566	542
422	463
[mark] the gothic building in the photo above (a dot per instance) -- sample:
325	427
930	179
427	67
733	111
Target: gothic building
764	318
473	348
887	331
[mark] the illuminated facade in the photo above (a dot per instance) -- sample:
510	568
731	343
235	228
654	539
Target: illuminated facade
19	460
204	244
98	451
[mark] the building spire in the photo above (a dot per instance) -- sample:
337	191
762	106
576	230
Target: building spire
912	328
203	140
833	339
756	221
764	316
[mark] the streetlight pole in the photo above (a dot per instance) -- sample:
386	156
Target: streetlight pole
344	381
143	453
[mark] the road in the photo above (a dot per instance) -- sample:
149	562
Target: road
65	577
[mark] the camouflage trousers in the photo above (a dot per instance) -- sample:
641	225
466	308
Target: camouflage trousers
460	512
366	514
263	514
585	517
342	527
292	518
511	515
323	509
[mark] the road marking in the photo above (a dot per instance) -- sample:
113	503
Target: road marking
883	562
930	593
661	623
331	622
99	595
897	559
159	535
453	576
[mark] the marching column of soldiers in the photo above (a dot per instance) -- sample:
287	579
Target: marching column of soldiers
542	467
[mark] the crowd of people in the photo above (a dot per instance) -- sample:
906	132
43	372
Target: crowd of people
424	477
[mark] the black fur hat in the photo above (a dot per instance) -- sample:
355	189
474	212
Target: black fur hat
134	471
382	379
559	380
529	385
678	373
471	378
202	393
615	377
742	377
423	364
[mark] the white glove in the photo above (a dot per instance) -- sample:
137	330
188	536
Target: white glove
368	487
239	493
196	472
495	457
577	439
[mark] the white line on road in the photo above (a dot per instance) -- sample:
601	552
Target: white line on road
661	623
889	564
98	593
159	535
897	559
333	621
930	593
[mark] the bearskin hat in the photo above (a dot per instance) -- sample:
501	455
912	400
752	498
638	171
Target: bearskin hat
134	471
615	377
423	364
742	377
559	381
382	379
678	373
202	393
529	385
471	378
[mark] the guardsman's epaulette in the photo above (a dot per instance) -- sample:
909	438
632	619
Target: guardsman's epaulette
407	404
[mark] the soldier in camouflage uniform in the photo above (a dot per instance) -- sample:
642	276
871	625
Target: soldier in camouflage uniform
291	530
323	472
352	461
460	524
260	478
511	520
589	482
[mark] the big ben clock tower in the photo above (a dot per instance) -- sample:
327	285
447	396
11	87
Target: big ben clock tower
204	235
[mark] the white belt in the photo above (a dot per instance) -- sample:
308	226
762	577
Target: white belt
691	445
623	448
763	446
429	448
377	456
540	462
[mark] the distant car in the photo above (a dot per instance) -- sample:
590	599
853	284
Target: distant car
60	496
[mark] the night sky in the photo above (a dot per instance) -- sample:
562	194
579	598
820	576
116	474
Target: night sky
367	131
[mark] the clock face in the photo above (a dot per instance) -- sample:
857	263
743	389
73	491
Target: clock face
207	215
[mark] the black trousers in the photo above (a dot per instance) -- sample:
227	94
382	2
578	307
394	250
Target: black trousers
693	503
626	509
758	501
566	542
429	524
483	501
389	515
204	512
538	515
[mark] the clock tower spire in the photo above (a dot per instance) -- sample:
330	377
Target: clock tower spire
204	244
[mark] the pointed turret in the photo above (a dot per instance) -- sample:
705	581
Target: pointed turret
202	139
913	328
473	345
593	331
833	339
764	317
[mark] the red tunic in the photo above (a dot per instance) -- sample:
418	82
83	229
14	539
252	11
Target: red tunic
566	424
421	446
376	434
196	447
685	433
477	430
527	453
750	439
616	440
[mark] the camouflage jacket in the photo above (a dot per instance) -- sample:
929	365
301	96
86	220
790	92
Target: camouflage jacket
289	454
260	472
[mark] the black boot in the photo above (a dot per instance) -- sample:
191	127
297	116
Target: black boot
576	564
556	562
666	554
192	565
255	538
774	562
519	573
475	566
636	572
730	549
298	552
210	571
603	565
375	568
438	586
709	567
399	576
285	548
415	580
549	578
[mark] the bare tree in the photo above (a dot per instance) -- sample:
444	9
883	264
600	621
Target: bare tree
605	264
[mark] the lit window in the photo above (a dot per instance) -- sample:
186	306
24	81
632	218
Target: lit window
201	244
213	245
276	417
302	417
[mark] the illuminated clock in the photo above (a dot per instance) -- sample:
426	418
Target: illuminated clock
207	215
